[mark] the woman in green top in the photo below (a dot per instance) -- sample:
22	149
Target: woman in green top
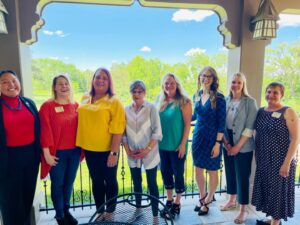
175	110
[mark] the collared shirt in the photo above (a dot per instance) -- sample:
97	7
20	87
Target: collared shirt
98	121
141	127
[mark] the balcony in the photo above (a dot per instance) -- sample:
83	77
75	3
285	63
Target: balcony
83	205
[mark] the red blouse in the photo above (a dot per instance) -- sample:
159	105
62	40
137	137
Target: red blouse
18	123
58	128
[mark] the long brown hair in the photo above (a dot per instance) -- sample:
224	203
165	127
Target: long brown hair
214	86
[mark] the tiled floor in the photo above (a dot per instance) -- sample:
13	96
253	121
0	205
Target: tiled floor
188	216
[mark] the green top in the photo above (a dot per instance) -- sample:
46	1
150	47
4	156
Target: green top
172	125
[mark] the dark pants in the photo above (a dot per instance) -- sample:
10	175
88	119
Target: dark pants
104	178
172	166
238	171
18	187
62	178
136	175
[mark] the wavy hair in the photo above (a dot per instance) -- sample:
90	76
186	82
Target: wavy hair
214	86
181	97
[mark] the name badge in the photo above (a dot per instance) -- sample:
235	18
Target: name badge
197	99
276	114
59	109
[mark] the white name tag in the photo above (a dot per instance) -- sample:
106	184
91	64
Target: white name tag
276	114
197	99
59	109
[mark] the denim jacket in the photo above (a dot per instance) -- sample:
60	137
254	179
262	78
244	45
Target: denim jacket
243	122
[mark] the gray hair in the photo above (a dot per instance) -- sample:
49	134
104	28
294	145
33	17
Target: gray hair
137	84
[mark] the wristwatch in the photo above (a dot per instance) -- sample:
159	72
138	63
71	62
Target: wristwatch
219	141
114	153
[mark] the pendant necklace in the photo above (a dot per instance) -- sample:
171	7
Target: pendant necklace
18	108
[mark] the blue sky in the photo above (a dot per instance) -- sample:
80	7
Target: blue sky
90	36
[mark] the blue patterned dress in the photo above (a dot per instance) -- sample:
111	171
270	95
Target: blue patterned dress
273	194
210	121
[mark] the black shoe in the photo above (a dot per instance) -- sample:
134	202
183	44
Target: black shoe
203	213
175	209
71	220
62	221
166	213
261	222
201	201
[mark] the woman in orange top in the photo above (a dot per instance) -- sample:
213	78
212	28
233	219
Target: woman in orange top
58	136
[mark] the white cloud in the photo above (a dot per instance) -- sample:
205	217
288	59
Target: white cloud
183	15
288	20
145	49
48	32
58	33
195	51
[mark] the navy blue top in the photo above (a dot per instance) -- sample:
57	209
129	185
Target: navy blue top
210	121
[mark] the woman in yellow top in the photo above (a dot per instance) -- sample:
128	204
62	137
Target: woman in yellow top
101	123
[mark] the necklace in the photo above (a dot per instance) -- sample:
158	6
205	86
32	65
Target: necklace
233	105
13	108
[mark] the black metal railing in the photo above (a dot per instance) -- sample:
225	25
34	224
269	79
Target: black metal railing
82	191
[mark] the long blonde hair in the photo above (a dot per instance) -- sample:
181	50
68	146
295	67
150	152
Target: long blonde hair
54	81
181	97
243	78
214	86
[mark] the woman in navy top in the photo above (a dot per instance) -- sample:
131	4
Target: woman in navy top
210	112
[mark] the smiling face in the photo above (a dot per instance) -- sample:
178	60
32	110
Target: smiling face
274	95
138	95
101	83
9	85
237	85
61	87
170	86
206	79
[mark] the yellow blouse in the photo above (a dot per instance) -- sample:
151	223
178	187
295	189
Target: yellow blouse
98	121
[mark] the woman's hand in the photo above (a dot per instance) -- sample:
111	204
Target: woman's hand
112	160
215	152
284	170
130	153
51	159
141	153
227	147
234	150
181	151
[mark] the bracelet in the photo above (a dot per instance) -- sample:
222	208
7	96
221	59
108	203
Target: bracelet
114	153
149	148
218	141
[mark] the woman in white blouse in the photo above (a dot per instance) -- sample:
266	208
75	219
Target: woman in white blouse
143	130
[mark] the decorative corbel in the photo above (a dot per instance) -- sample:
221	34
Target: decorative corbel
3	11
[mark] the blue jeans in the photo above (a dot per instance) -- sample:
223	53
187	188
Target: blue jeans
62	178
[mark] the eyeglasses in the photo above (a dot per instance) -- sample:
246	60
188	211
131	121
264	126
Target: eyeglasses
204	76
137	92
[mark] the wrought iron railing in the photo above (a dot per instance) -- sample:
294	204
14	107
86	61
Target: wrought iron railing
82	191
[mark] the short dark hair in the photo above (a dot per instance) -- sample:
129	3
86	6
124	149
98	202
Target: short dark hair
2	72
276	84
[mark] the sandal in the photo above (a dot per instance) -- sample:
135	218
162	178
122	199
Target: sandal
175	209
166	213
242	219
228	206
201	202
203	213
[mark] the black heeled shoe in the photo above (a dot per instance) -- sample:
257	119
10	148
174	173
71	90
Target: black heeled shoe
201	201
167	211
203	213
175	209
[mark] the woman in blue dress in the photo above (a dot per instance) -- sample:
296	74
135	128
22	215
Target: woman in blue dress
210	112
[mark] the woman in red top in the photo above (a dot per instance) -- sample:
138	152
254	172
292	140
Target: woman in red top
61	157
19	151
